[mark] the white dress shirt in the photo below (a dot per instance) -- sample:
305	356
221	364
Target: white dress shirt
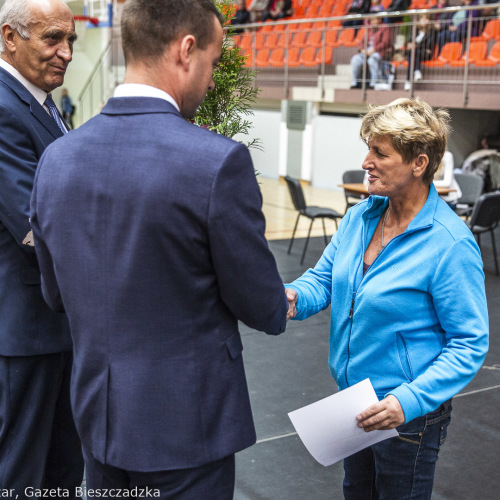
141	90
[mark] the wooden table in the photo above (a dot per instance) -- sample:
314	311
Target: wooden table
361	189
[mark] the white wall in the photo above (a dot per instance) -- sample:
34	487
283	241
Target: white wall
266	126
336	148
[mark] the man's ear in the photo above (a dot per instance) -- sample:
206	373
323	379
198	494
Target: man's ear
187	47
420	165
8	35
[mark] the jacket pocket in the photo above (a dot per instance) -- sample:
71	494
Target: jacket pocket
234	345
31	275
404	357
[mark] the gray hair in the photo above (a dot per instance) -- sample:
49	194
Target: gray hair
18	15
414	128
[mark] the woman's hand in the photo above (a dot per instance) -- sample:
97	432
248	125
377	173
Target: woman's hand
292	297
386	414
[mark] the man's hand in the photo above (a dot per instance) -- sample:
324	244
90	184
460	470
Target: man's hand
292	297
386	414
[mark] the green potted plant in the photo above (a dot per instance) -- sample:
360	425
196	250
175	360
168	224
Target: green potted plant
226	108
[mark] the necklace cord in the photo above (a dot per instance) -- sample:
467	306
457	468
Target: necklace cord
383	226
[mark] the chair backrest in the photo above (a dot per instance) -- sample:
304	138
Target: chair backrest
353	176
471	187
451	51
346	36
492	30
299	202
477	51
277	57
495	52
293	55
308	56
486	212
326	55
331	37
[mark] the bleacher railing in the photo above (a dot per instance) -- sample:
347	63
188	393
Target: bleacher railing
309	52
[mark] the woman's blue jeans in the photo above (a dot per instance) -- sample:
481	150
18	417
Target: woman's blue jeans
399	468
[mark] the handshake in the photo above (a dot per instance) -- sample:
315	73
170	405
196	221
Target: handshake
292	297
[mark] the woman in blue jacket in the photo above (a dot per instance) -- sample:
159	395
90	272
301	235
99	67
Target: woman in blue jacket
404	279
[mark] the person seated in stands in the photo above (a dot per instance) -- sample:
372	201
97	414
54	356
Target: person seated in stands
376	6
256	9
241	16
424	46
456	30
442	19
277	9
357	7
379	46
397	6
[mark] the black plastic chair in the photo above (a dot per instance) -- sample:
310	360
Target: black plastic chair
485	218
352	177
471	187
312	213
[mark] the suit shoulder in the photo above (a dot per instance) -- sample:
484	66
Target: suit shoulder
203	135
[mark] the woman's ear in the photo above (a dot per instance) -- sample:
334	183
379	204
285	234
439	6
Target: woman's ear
420	165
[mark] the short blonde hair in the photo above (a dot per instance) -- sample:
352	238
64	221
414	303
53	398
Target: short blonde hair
414	128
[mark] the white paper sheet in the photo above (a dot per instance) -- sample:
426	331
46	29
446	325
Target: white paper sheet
329	429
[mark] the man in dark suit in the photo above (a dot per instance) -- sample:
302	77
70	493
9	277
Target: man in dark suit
39	446
150	236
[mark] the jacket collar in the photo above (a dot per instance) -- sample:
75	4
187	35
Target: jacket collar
27	97
424	218
138	105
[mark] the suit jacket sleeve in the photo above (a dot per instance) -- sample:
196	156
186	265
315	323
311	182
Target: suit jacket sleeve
50	288
246	271
18	163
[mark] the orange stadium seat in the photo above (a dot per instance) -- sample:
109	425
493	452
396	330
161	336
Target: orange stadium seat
308	57
299	39
325	10
331	38
277	58
315	39
493	57
451	51
492	30
246	42
477	52
311	11
358	38
293	57
328	55
262	58
248	60
346	37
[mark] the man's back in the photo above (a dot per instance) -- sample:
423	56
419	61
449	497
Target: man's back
157	236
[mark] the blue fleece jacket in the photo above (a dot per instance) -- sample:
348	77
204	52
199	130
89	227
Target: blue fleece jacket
416	324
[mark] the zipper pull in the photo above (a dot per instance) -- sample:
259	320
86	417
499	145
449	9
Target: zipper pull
352	305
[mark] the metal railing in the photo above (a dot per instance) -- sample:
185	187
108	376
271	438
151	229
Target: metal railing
469	77
106	73
101	81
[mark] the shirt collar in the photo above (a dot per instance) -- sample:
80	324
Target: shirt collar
39	94
141	90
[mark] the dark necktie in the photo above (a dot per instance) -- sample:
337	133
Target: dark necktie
55	113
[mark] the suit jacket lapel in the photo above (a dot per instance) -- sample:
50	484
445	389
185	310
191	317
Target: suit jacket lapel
36	109
44	118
